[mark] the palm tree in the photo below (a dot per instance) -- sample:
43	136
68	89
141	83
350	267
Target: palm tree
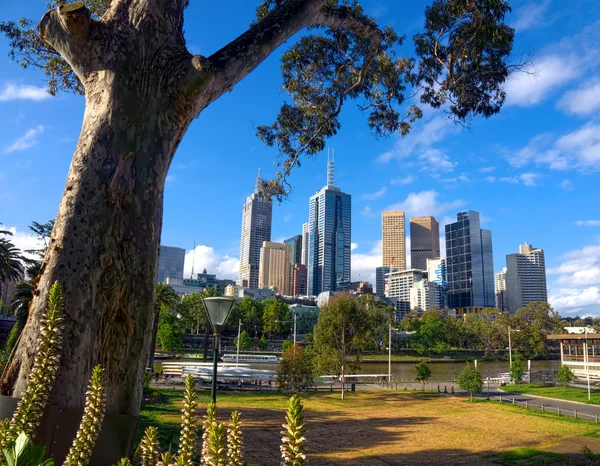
11	267
166	298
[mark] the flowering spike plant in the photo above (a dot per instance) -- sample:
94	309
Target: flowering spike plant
123	462
293	434
209	420
189	423
91	423
168	459
216	451
35	397
234	440
150	452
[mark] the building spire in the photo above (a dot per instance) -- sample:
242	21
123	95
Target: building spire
258	180
330	179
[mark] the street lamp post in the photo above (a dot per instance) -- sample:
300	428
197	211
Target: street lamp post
237	356
587	363
510	346
217	311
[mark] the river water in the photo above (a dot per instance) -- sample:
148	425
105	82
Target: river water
442	371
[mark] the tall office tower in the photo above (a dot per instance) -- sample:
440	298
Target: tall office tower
501	301
295	242
399	284
304	258
380	279
393	239
298	280
525	277
436	274
256	229
170	263
329	237
469	263
275	267
424	241
424	295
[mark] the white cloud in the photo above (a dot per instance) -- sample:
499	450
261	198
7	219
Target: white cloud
579	149
23	241
11	91
425	203
353	246
364	265
29	139
375	195
588	223
205	257
403	181
490	179
170	179
287	217
529	179
487	169
582	101
576	288
367	212
419	143
531	15
567	185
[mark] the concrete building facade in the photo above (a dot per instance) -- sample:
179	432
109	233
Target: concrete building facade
525	277
469	263
424	241
393	239
436	273
501	298
424	295
299	280
305	236
170	263
399	284
275	267
256	229
329	237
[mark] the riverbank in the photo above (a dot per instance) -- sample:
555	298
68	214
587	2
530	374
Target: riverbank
386	427
579	395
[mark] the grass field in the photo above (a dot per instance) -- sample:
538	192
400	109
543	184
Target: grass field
379	428
570	394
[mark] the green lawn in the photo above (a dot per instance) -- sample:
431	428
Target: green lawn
527	456
569	394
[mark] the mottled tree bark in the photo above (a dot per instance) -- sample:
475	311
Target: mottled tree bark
143	88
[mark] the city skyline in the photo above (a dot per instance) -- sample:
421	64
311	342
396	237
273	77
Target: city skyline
520	167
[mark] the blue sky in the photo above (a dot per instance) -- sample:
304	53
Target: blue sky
531	171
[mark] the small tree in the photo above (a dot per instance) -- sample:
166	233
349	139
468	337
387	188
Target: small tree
263	344
565	375
245	342
470	380
422	373
295	369
286	344
169	335
517	368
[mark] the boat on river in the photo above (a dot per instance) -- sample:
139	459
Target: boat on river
250	358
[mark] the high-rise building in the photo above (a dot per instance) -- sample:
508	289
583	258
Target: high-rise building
399	284
295	242
501	301
525	277
436	274
256	229
364	288
329	237
275	267
425	295
380	279
393	239
469	263
298	280
305	235
424	241
170	263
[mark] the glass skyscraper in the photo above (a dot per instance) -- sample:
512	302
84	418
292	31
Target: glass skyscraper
469	263
170	263
295	242
329	237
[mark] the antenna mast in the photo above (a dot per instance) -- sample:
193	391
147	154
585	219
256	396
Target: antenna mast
330	167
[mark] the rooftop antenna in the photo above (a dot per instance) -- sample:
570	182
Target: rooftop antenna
330	182
258	179
193	258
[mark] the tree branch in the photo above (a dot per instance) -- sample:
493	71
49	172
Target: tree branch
240	57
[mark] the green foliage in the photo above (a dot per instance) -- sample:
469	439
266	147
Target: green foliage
517	368
589	454
295	370
251	312
286	344
274	311
91	423
470	380
191	310
11	267
124	462
379	316
29	411
263	344
234	440
189	423
207	424
422	372
293	434
149	447
565	375
431	335
170	334
534	321
245	342
527	456
22	452
216	448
